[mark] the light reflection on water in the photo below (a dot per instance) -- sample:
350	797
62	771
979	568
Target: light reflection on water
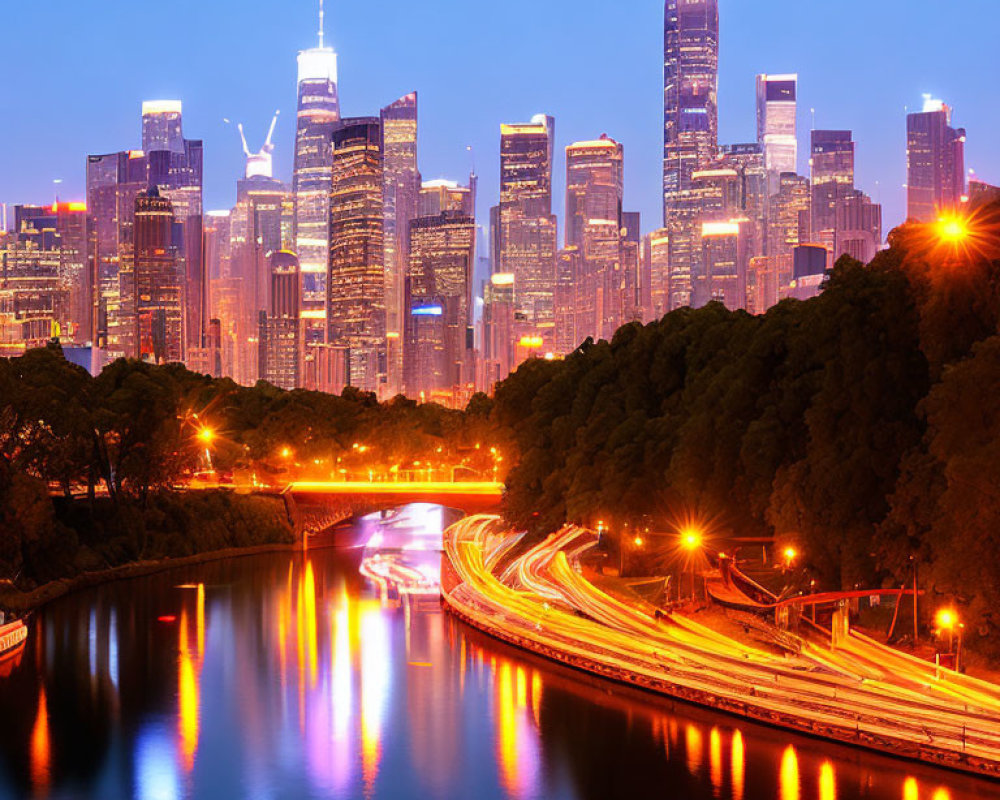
291	676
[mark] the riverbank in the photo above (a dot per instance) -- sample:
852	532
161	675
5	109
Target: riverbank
86	543
20	603
859	694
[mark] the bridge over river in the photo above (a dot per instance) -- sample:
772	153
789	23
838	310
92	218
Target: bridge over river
318	505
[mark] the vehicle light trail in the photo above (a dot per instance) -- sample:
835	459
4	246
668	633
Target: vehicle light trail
862	692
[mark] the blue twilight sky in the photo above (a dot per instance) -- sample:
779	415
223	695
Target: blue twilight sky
77	70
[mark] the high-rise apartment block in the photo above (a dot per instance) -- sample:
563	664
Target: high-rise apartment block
935	162
776	122
355	311
527	226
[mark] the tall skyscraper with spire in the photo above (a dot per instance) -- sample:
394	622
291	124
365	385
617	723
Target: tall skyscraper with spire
690	118
318	114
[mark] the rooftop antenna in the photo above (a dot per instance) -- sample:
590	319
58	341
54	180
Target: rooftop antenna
320	24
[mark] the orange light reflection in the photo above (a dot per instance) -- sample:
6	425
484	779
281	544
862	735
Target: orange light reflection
790	786
41	748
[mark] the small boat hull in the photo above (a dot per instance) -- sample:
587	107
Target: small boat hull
12	637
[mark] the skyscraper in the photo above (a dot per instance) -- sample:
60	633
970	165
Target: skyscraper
832	161
690	120
279	325
175	167
595	184
527	235
159	284
161	126
776	129
935	156
441	262
400	187
666	292
356	280
318	113
859	227
789	222
690	89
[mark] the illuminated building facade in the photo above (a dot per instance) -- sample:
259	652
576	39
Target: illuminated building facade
690	118
755	186
400	187
567	310
499	326
776	122
318	113
832	160
356	279
594	188
858	228
279	327
725	259
667	291
34	301
62	232
176	166
441	260
439	196
789	222
527	227
162	126
935	162
114	181
159	281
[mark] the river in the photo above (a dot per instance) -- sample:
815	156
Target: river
295	676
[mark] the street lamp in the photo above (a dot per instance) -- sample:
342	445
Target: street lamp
206	436
790	555
947	620
691	540
952	229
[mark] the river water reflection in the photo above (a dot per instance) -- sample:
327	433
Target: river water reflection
291	676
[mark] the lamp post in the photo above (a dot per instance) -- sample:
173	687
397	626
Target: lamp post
947	620
206	436
691	541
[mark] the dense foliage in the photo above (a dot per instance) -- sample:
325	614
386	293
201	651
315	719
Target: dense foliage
122	441
863	424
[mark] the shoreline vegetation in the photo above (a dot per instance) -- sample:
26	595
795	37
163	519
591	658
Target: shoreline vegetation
96	542
21	603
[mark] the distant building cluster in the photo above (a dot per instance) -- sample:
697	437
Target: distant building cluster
359	273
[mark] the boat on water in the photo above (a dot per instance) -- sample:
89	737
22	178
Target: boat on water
12	637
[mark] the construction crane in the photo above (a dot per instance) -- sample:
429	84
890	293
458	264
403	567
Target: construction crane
261	163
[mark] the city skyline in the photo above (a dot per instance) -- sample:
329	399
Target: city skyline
587	96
